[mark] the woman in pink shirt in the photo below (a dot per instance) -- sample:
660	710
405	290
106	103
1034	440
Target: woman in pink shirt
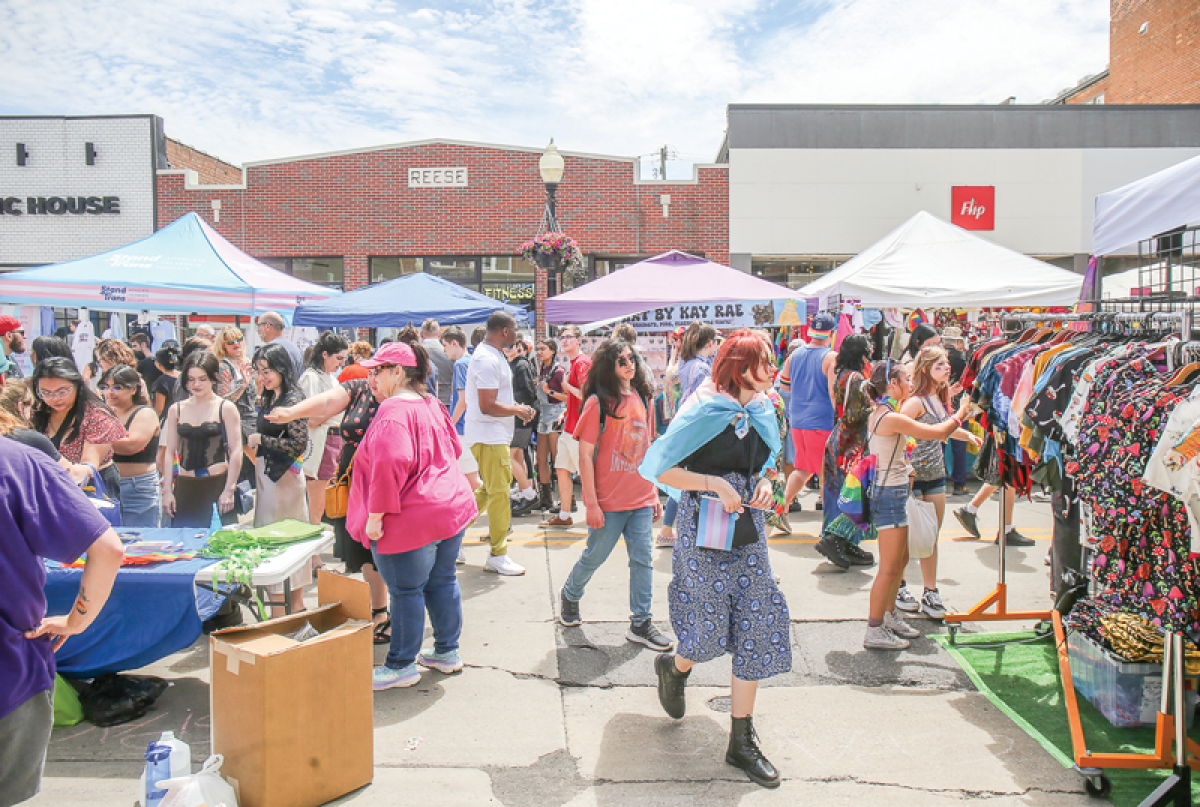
410	504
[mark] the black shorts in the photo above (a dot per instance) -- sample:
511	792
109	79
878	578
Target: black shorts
522	435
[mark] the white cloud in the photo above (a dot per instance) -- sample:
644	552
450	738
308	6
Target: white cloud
272	78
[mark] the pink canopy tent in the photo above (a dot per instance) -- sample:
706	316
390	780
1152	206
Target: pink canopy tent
676	287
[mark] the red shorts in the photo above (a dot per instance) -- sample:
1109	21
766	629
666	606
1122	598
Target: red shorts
329	460
810	449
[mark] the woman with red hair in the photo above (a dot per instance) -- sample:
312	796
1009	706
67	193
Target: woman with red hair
720	445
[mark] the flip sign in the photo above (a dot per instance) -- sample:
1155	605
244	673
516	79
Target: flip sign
973	207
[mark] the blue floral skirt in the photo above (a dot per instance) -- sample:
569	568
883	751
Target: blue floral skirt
727	602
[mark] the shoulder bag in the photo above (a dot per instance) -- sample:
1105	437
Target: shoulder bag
337	493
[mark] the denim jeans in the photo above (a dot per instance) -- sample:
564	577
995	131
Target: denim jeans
418	580
670	509
957	454
141	500
637	526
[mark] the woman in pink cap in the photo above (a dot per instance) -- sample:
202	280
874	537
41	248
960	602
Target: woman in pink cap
410	503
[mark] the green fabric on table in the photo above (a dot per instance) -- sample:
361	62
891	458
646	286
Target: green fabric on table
288	531
1023	681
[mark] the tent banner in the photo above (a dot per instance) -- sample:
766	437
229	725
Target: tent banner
727	315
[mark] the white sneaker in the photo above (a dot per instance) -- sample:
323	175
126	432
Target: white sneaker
503	564
905	601
880	638
461	558
893	622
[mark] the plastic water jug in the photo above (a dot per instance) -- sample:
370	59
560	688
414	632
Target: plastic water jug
178	763
158	768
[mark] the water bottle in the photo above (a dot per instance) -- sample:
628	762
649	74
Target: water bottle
179	763
158	768
215	524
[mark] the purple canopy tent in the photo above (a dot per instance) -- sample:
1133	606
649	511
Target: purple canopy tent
675	288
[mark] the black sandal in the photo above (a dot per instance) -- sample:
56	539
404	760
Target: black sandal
380	636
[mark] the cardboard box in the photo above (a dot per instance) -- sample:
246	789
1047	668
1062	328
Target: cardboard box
295	719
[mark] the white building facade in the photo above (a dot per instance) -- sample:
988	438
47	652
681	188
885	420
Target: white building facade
811	186
71	187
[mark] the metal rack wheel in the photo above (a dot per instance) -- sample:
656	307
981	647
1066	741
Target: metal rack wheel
952	627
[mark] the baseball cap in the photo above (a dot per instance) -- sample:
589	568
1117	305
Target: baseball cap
392	353
9	324
822	325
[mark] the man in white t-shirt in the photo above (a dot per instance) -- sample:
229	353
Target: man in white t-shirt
488	432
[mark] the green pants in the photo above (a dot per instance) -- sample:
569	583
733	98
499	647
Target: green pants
495	469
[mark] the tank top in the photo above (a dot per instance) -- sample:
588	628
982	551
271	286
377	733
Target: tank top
892	468
810	407
202	445
149	451
929	458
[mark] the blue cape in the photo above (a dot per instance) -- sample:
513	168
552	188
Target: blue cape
700	423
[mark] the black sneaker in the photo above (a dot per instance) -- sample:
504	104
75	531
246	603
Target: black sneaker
795	507
523	506
856	554
650	636
831	548
969	522
568	611
1014	538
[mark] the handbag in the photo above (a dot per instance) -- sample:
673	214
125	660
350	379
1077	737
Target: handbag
922	527
854	498
337	494
97	494
714	526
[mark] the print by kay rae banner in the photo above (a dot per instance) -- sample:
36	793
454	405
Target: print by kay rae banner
730	315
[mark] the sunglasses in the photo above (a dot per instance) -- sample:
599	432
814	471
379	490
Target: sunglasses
112	387
237	340
624	361
377	370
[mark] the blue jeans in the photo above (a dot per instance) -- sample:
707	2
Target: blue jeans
669	511
418	580
637	526
957	451
141	500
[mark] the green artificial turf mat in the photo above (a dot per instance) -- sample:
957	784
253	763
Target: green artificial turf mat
1022	680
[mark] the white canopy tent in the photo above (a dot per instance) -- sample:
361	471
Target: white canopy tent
927	262
1143	209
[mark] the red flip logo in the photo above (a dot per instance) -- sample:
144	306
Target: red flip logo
973	207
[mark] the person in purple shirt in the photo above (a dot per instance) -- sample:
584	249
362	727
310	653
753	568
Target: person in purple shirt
43	514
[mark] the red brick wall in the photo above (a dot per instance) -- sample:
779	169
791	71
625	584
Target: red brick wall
211	170
1161	66
359	205
1088	93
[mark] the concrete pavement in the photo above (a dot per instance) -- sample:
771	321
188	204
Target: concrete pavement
546	715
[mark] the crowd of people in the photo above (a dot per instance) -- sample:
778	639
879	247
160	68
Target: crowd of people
435	428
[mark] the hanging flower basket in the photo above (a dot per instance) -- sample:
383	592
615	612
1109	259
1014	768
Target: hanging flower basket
553	252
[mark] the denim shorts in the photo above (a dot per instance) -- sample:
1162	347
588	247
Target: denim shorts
929	487
889	507
548	418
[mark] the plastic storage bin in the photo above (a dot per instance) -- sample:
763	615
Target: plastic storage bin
1127	693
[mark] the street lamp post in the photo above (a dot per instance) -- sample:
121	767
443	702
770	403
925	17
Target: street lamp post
550	166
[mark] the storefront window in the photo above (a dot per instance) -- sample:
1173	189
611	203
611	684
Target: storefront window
390	268
792	272
322	271
521	294
460	270
506	268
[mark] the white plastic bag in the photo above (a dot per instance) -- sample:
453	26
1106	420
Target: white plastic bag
922	528
203	789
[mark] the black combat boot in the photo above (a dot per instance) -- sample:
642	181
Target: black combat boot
743	752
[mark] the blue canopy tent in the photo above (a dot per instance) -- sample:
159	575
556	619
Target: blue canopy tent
404	301
186	267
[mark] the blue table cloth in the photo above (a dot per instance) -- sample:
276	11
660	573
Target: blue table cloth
152	612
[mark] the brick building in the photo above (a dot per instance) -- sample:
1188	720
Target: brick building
458	210
1154	56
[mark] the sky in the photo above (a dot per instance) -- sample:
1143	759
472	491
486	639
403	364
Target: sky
265	79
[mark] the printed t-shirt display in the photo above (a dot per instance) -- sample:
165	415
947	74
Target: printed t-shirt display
619	451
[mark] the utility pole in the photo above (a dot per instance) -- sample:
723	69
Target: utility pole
662	162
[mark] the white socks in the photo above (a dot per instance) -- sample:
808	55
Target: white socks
970	508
